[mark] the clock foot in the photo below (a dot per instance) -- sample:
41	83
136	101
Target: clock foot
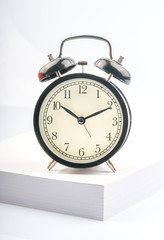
51	165
110	165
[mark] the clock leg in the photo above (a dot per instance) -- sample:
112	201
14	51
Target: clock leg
51	165
110	165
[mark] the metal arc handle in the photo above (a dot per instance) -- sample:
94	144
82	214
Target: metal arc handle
86	36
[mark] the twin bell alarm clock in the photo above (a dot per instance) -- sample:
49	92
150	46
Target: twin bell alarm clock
81	120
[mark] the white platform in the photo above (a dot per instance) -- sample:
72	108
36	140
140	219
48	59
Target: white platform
93	193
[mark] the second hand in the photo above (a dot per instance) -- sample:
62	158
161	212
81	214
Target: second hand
87	130
81	120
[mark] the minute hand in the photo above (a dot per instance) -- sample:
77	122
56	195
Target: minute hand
96	113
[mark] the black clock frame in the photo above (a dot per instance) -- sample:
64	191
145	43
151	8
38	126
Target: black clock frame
124	106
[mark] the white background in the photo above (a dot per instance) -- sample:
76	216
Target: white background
30	30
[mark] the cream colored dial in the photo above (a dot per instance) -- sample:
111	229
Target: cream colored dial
80	120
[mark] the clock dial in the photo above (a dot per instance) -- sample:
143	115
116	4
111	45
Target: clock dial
81	121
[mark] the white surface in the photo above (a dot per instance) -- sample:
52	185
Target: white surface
143	221
22	154
26	157
93	193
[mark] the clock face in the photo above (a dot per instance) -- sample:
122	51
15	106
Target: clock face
81	120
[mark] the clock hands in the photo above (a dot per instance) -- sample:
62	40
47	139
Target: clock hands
87	130
70	112
92	115
96	113
81	120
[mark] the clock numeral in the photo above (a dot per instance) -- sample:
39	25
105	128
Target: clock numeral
67	94
109	136
56	105
98	149
115	121
82	89
54	135
66	146
98	94
110	103
81	152
49	119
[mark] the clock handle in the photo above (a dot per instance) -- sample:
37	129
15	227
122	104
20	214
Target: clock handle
86	36
57	67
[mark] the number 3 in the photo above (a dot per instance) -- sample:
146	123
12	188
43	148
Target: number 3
115	121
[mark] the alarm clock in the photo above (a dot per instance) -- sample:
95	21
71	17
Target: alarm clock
81	120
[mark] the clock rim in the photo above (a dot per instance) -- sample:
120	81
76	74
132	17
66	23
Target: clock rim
125	110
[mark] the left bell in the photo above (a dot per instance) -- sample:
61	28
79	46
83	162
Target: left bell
55	68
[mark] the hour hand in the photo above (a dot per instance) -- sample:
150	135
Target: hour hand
70	112
96	113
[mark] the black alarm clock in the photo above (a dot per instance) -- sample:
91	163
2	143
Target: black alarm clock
81	120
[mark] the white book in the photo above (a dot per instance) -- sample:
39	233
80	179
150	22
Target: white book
95	193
